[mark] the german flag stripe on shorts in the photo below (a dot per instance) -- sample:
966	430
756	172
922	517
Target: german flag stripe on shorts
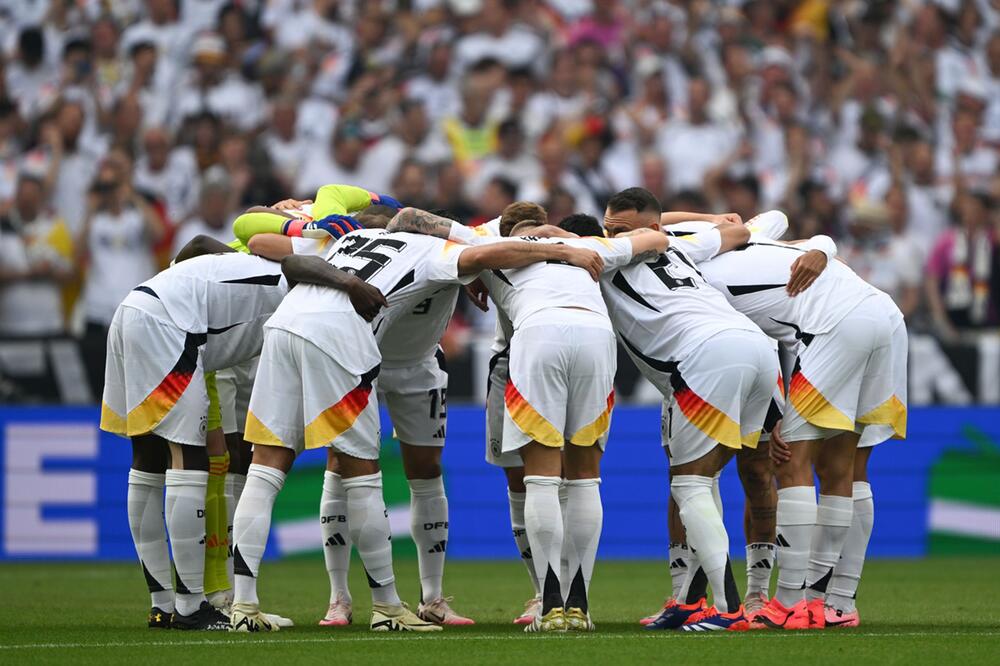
530	422
813	406
148	414
710	420
592	432
338	418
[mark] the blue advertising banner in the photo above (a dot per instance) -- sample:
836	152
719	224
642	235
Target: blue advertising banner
63	487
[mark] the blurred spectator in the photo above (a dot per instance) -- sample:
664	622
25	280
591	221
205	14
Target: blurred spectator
116	248
963	273
879	250
214	215
168	173
36	260
511	161
695	144
826	110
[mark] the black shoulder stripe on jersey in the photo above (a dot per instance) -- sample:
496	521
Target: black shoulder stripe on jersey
679	234
655	364
404	281
619	281
271	280
806	338
146	290
501	276
755	243
683	257
219	331
744	289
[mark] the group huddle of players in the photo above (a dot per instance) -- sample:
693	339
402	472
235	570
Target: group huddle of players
227	365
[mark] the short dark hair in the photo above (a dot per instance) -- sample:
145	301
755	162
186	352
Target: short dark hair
581	224
638	199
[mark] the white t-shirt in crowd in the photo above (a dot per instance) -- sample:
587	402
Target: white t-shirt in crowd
120	259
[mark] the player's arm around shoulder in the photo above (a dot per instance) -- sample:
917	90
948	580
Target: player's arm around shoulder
646	244
819	251
512	254
310	269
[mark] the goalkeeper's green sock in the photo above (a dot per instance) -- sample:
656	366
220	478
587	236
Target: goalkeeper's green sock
216	519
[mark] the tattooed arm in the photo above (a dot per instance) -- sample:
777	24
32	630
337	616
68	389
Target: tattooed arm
647	244
416	221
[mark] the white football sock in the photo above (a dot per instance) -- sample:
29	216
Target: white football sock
369	526
694	585
336	535
544	523
429	528
251	526
760	564
145	521
234	488
564	576
185	514
847	574
516	501
680	554
584	518
707	535
717	493
796	517
833	522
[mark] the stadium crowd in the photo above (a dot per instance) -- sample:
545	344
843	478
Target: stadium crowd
127	128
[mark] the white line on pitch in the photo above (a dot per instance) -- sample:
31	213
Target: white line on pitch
372	639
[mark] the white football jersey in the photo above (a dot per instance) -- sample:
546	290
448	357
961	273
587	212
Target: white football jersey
227	297
536	291
402	266
414	334
471	236
664	309
753	279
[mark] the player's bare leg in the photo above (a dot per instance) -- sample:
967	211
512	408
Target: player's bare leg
834	462
336	544
756	473
544	524
582	520
184	510
841	610
691	486
429	528
146	478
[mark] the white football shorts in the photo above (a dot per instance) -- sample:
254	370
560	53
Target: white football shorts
721	394
235	385
416	398
561	385
844	379
153	380
304	399
499	374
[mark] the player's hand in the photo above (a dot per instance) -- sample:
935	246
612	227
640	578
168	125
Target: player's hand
366	299
588	260
478	294
291	204
779	450
333	226
727	218
385	200
805	270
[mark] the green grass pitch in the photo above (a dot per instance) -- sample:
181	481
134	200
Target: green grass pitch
913	612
